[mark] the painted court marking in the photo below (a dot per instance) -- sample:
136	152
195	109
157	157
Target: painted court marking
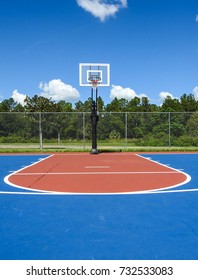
161	226
92	173
68	173
97	167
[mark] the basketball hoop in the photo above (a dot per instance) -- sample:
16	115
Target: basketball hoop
94	75
94	80
94	83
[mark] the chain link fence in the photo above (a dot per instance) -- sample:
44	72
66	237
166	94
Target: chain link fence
73	130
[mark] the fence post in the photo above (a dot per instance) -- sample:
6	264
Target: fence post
169	129
126	129
83	130
40	132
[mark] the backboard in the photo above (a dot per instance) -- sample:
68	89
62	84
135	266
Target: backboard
94	74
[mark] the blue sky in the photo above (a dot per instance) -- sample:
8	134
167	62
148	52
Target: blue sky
151	46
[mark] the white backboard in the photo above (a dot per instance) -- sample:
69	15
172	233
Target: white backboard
99	72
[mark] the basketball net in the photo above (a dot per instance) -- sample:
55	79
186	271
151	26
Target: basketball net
94	83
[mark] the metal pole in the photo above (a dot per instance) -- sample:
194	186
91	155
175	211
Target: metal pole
40	133
169	130
126	129
92	93
83	130
94	120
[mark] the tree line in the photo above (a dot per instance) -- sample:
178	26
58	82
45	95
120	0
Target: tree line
186	103
137	121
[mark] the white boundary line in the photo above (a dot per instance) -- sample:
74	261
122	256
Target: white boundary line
94	173
98	194
188	177
156	191
6	179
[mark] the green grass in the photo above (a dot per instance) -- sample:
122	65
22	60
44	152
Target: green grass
86	147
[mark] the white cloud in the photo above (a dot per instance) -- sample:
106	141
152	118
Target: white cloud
164	94
195	92
126	93
124	3
102	9
18	97
57	90
196	18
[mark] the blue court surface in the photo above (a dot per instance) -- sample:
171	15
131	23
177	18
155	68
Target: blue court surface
153	226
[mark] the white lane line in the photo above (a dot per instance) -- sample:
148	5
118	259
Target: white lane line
90	173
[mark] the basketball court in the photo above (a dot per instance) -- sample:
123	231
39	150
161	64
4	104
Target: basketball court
98	206
102	174
78	206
